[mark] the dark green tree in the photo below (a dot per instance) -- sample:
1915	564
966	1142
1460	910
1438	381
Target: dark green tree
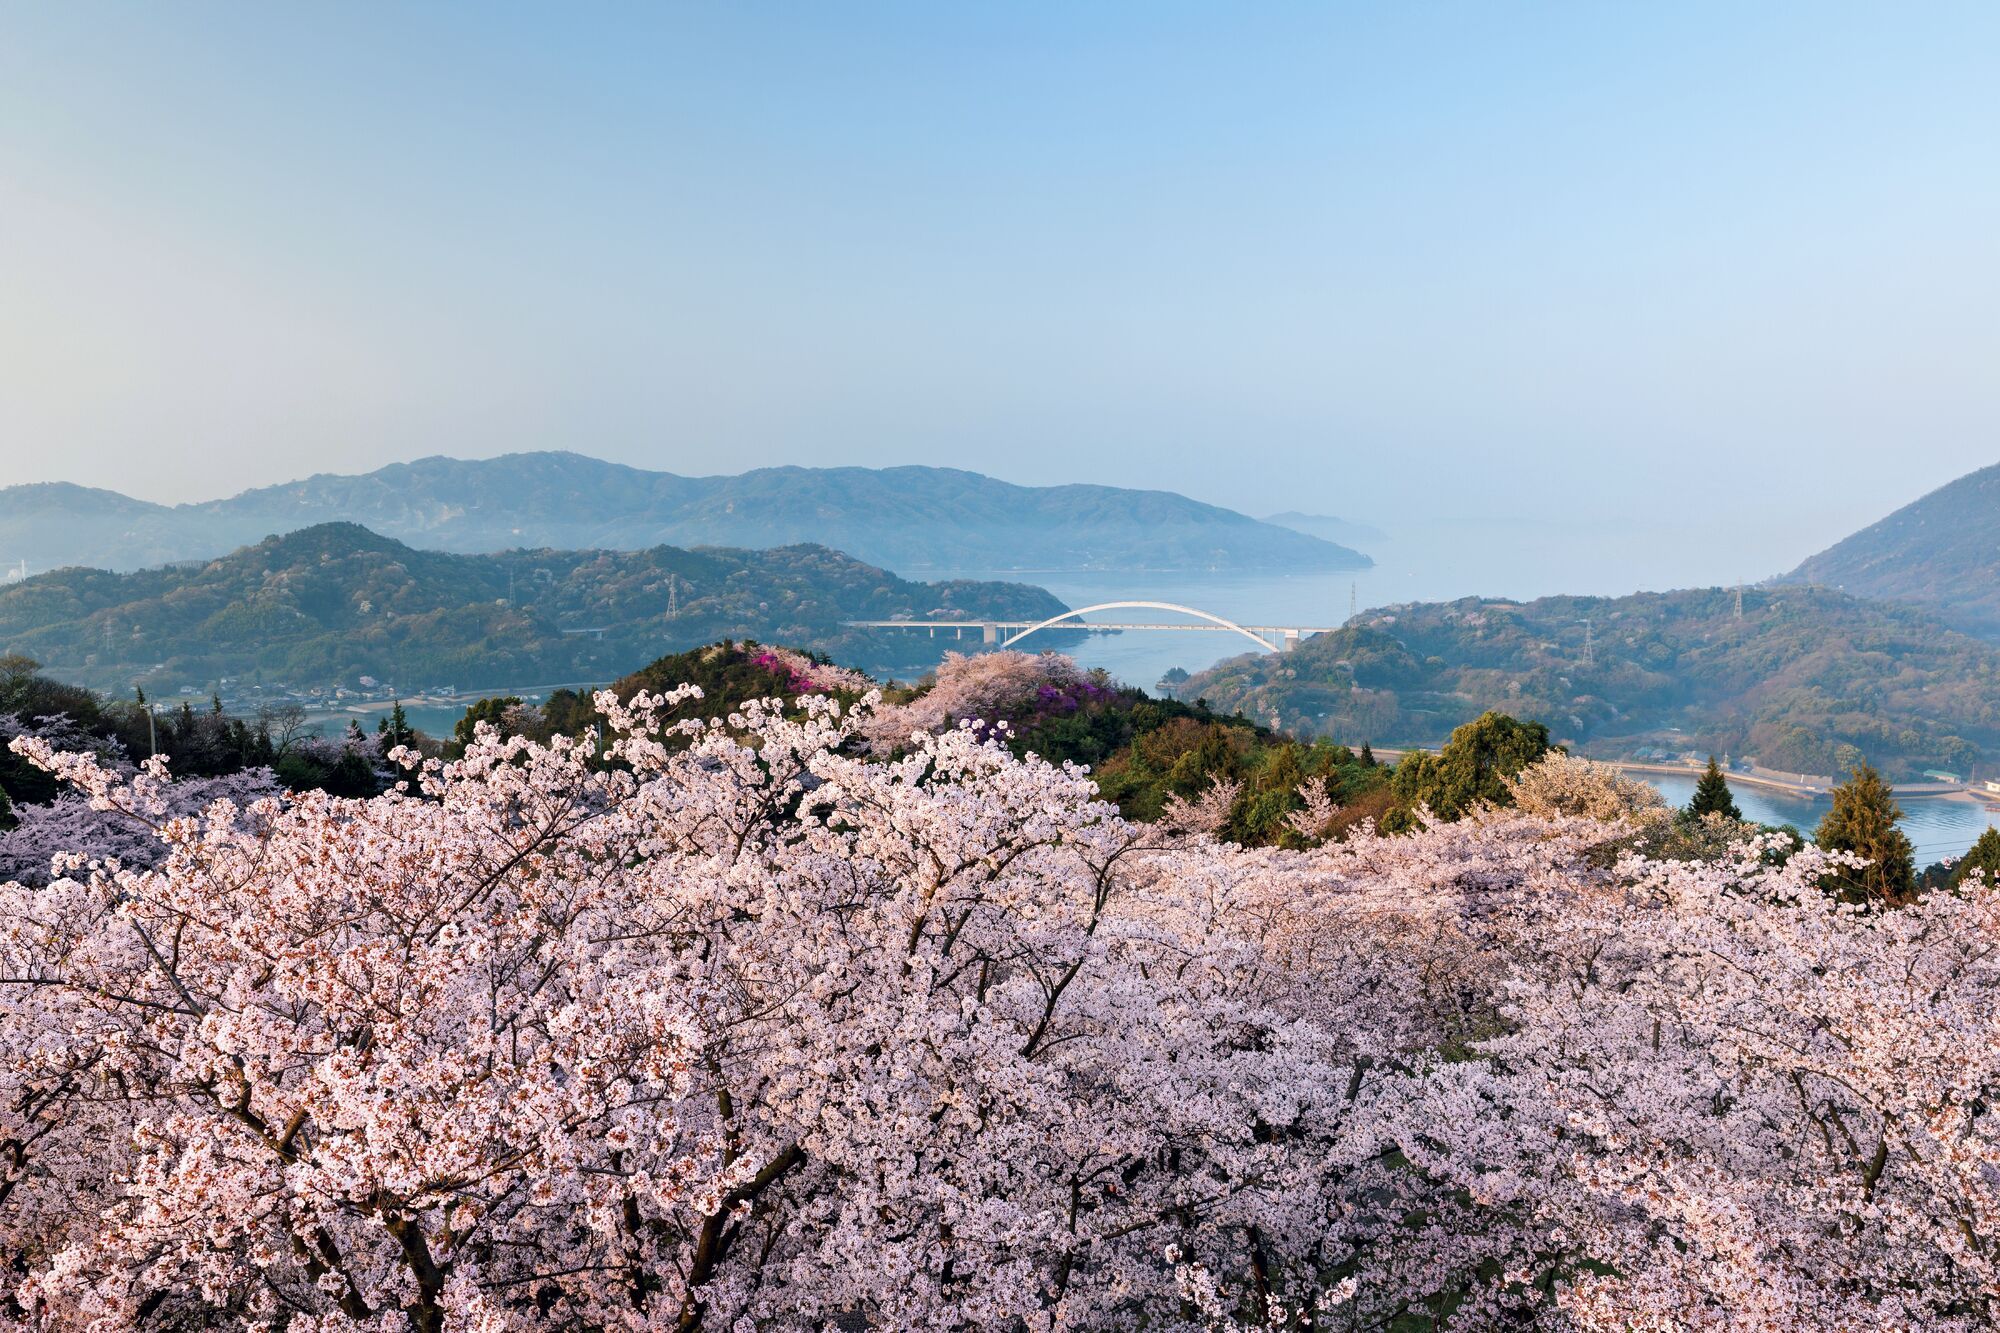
1711	794
1984	855
570	713
1367	755
1473	767
395	729
1863	821
351	775
494	710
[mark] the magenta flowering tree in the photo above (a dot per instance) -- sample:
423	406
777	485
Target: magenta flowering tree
795	673
984	691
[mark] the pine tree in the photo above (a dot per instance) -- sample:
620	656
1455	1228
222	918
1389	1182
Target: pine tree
1367	755
1863	821
1711	794
1984	855
395	729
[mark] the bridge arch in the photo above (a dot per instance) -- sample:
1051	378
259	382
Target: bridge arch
1257	639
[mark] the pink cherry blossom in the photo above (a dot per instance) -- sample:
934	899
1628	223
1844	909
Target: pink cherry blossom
752	1032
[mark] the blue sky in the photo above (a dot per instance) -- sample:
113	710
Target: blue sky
1636	280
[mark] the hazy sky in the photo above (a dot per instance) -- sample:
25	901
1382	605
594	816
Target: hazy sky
1693	287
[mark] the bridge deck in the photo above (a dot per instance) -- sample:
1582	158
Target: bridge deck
1080	624
1272	638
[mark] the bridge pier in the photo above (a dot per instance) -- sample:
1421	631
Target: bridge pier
989	634
1290	641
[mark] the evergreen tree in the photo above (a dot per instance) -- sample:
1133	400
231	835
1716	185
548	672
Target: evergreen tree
1367	755
1984	855
1863	821
1711	794
395	729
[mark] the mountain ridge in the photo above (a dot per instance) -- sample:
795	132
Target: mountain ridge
327	603
1938	552
912	518
1328	527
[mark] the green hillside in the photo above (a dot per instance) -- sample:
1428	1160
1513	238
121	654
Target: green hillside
1808	680
1937	552
336	601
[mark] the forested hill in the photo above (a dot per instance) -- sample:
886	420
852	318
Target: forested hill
1808	680
336	601
1939	551
903	518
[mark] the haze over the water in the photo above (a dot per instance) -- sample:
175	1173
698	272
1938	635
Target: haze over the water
1662	294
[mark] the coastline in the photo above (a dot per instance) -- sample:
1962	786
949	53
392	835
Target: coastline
1929	791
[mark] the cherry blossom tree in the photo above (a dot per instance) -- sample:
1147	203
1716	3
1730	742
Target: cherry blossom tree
749	1031
1749	1105
984	690
746	1030
1565	784
798	674
72	824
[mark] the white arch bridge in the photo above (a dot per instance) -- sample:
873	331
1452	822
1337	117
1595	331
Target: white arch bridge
1271	638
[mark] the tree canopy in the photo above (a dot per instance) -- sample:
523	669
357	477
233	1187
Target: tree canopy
1473	767
1983	856
716	1036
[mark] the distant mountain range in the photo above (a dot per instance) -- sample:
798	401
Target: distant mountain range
330	603
1941	552
1327	527
1807	680
911	519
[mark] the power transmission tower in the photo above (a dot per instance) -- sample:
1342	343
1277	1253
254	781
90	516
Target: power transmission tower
1589	657
1739	599
1353	595
673	595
